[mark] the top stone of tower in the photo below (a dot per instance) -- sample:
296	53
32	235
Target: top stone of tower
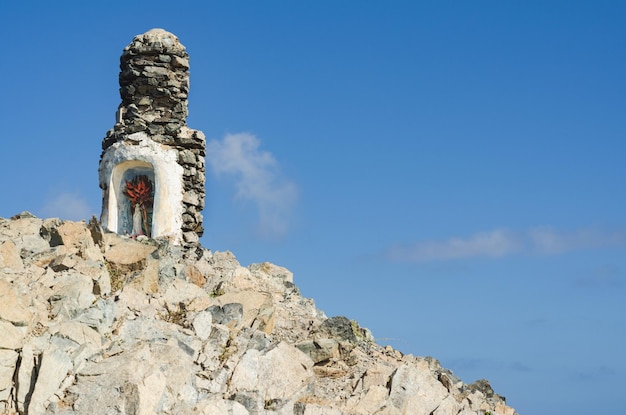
154	81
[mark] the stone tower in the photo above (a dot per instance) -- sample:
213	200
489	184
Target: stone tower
152	171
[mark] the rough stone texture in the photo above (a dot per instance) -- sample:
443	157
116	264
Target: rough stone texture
95	322
154	85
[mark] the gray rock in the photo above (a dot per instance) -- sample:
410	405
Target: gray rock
53	369
8	360
340	328
320	350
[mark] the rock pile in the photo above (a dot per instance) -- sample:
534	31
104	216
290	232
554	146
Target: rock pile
154	85
95	323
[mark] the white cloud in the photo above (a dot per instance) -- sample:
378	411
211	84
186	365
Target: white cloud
495	243
549	241
503	242
67	205
257	179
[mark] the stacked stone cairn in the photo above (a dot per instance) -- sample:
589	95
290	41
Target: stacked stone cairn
154	85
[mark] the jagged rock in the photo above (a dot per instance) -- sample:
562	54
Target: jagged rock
221	407
72	293
77	238
320	350
229	314
62	262
126	255
145	327
52	370
203	324
257	373
414	388
13	307
8	362
10	257
11	337
344	329
257	308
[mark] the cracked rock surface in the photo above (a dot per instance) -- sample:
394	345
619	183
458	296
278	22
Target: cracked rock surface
97	323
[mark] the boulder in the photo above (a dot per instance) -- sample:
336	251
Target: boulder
280	374
126	255
13	307
10	257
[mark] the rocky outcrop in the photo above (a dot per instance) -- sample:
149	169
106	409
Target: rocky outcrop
95	323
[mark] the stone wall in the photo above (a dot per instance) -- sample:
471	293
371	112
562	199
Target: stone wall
154	85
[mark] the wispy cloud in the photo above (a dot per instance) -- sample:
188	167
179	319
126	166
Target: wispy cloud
257	179
607	277
66	205
503	242
594	374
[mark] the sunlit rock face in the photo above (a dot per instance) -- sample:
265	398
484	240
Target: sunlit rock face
152	170
92	322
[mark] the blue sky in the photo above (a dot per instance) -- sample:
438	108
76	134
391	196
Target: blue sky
449	174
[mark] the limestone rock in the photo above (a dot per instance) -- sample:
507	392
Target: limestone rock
257	373
10	257
13	307
8	360
147	327
128	255
53	369
415	389
320	350
11	337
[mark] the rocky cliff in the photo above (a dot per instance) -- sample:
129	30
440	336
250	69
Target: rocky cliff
95	323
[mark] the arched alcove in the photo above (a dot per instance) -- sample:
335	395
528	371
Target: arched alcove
121	164
122	175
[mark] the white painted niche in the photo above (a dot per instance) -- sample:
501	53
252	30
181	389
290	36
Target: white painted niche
120	164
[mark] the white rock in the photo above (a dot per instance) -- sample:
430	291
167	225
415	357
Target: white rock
258	309
202	324
53	369
279	373
10	256
449	406
194	297
221	407
415	390
74	292
8	360
150	390
312	409
24	376
10	336
12	307
373	400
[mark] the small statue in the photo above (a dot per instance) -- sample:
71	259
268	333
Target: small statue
137	221
139	192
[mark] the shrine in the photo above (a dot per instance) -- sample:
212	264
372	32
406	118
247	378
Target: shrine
152	171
